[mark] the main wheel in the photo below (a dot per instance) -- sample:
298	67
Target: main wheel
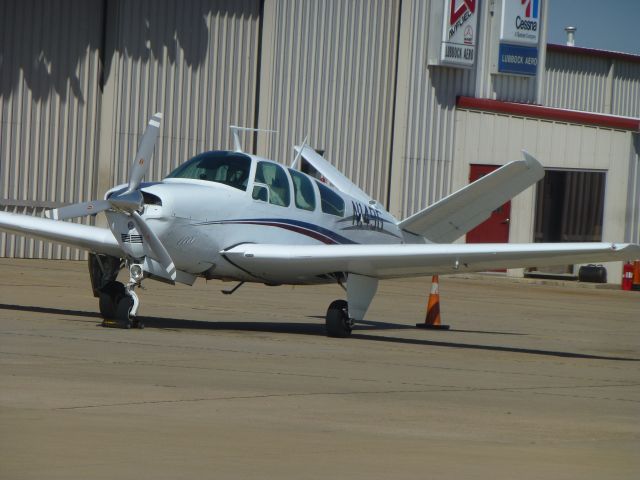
338	321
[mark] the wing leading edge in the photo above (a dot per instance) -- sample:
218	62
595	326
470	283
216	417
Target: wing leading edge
94	239
395	261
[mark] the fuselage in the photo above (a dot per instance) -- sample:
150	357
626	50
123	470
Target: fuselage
218	200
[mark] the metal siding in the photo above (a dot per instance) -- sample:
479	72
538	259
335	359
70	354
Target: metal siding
196	62
577	82
511	88
49	109
592	84
626	89
429	114
329	71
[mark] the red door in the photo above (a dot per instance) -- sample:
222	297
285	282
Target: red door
496	228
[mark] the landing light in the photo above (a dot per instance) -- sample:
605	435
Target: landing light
136	272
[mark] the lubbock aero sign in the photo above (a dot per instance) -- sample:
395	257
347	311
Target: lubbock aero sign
459	32
519	34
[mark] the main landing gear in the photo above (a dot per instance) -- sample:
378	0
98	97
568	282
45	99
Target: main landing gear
338	322
342	314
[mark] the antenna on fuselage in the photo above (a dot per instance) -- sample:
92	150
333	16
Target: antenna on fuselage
235	130
295	160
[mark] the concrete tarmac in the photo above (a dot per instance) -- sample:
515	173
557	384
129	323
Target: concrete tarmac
533	381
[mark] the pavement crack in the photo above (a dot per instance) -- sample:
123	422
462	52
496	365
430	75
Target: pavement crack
350	393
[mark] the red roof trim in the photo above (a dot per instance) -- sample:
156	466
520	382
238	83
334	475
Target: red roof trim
558	114
554	47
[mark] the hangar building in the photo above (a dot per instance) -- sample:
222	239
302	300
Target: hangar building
410	98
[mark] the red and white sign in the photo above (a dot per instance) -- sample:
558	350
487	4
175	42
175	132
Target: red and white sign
459	32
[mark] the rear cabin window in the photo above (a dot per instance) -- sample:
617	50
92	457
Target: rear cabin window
331	202
274	178
303	192
229	168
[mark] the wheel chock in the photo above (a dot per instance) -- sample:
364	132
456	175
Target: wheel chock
110	323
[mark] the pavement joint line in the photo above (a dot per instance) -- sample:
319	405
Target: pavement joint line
587	397
362	392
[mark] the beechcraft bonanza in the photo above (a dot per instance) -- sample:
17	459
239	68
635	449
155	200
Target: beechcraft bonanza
234	216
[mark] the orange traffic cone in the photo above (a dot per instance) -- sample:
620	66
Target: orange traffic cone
432	320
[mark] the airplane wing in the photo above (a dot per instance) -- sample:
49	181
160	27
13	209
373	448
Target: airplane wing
453	216
395	261
332	174
94	239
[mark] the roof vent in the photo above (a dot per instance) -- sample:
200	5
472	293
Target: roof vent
571	36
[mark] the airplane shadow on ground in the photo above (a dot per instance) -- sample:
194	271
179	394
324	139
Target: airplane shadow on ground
299	328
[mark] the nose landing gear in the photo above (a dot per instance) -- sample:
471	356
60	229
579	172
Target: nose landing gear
119	303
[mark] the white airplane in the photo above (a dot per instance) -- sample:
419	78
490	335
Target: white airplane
234	216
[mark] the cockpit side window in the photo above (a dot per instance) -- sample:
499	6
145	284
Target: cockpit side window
228	168
276	180
303	193
331	202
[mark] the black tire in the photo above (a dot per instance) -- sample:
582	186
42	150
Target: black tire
110	295
123	311
107	306
337	320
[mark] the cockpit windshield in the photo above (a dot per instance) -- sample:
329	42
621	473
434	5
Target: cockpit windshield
229	168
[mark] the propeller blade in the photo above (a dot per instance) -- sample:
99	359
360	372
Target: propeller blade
157	248
145	150
78	210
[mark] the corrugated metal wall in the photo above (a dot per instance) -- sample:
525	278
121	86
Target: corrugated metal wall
328	70
578	82
592	83
196	62
49	111
625	95
425	119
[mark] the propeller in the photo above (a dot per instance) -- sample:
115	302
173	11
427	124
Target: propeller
130	200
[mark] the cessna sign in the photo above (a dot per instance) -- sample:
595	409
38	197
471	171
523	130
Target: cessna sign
520	22
459	32
519	34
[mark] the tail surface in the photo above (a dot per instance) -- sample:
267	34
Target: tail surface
453	216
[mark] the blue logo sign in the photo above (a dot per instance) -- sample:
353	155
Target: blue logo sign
517	59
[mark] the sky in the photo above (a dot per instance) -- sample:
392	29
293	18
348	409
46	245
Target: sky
602	24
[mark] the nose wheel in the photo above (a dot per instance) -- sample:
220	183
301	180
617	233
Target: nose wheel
118	306
337	320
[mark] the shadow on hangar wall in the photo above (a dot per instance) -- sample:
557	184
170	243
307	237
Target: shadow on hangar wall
45	67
